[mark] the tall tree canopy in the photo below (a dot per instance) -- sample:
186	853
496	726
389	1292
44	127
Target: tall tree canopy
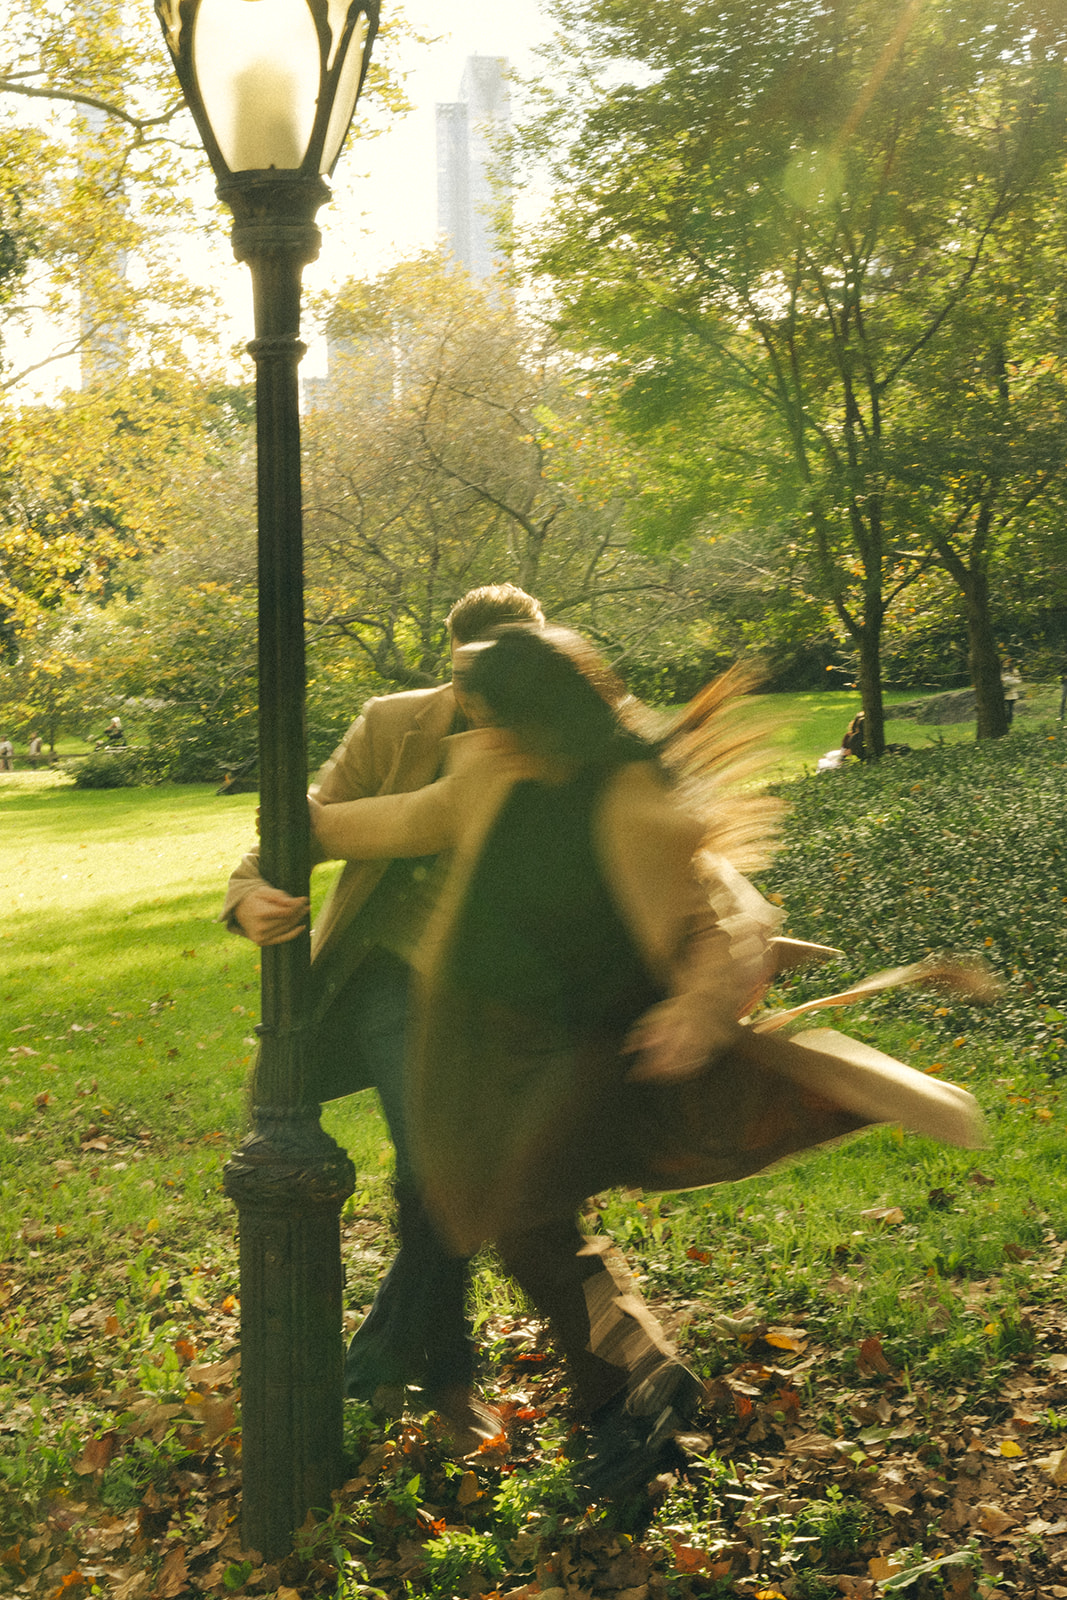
806	238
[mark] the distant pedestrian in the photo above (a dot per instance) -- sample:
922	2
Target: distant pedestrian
853	744
35	750
1012	684
1063	695
113	733
7	755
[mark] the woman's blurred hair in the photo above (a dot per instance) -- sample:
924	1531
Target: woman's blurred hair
551	689
556	694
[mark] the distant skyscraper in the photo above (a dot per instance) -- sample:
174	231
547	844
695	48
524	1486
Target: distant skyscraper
104	337
467	130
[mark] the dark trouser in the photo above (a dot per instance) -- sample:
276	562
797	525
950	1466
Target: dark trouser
416	1330
609	1336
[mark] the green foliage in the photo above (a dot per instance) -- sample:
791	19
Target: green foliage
923	1578
805	256
454	1558
107	769
532	1502
145	1464
841	1525
452	448
957	849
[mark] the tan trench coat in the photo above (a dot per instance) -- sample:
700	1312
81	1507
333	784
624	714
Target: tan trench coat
508	1125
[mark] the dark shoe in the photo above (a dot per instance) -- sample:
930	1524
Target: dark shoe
469	1422
633	1437
373	1365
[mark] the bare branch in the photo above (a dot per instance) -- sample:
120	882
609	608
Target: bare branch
75	97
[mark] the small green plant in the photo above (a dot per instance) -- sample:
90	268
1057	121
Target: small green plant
403	1495
454	1558
841	1525
537	1500
918	1572
143	1464
810	1586
31	1463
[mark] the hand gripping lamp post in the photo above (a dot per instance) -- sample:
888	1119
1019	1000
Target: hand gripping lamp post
272	86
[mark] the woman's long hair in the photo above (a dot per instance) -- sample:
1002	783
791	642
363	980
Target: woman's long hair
554	692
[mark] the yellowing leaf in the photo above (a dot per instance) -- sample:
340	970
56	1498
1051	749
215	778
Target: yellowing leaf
784	1339
469	1489
1008	1447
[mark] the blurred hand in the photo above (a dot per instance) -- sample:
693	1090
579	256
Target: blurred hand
676	1038
270	916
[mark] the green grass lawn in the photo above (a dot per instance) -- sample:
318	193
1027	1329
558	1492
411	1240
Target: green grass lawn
126	1003
809	724
128	1015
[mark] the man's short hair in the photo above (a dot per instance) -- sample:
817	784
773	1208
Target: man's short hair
482	609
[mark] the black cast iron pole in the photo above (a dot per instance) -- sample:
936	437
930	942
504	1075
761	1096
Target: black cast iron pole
288	1179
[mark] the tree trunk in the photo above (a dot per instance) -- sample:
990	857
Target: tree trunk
984	658
870	676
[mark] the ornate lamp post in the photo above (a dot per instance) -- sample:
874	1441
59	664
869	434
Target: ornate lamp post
272	86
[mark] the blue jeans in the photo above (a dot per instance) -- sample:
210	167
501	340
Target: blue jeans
416	1331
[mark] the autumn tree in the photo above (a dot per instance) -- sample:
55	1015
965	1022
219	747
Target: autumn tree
780	227
452	446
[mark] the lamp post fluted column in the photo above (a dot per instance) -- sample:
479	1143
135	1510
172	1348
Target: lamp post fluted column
288	1179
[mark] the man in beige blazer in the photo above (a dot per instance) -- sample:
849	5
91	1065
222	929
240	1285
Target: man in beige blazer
416	1332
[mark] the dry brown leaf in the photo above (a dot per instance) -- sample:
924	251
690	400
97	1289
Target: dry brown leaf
873	1359
211	1374
218	1416
992	1519
97	1453
1055	1466
138	1586
173	1577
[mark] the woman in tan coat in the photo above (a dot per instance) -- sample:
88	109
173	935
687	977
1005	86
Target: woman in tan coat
581	989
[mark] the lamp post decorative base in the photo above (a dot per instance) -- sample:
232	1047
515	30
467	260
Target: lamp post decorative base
289	1181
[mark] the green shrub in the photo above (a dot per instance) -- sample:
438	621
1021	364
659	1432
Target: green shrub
459	1557
108	769
958	848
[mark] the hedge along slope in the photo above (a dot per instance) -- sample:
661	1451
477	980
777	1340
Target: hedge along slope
961	848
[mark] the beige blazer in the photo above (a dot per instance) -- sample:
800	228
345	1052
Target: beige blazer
395	746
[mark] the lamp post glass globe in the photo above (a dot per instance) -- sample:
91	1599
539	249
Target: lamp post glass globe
271	84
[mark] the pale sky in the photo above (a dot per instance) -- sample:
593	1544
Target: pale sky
399	191
385	205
